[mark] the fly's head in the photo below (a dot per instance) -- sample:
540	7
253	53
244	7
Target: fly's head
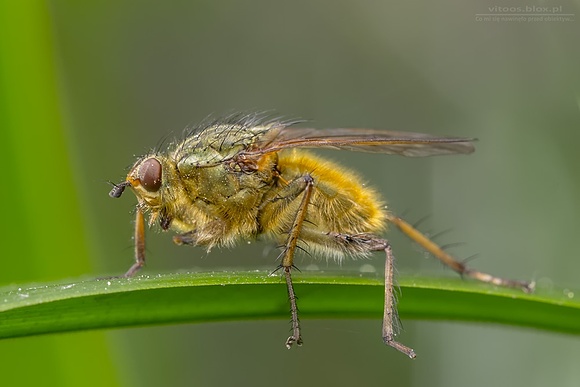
148	179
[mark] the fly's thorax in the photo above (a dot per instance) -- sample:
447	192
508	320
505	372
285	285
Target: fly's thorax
229	181
211	184
204	164
218	143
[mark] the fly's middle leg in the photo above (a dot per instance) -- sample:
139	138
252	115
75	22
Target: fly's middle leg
298	189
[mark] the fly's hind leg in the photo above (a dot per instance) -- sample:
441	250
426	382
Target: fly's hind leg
459	267
361	243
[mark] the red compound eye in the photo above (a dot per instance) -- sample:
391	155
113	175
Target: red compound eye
150	175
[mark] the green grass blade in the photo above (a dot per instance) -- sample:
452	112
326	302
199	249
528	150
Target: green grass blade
202	297
42	216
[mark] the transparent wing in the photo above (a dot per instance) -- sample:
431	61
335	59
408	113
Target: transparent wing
361	140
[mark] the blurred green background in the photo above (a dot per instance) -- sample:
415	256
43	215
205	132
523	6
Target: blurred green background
87	86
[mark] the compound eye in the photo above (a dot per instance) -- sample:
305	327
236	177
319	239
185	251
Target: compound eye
150	175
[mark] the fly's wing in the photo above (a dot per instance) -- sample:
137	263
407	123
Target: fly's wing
362	140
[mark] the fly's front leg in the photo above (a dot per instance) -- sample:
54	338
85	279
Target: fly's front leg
139	244
459	267
187	238
365	243
302	186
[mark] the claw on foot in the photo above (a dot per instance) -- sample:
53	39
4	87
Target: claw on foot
291	340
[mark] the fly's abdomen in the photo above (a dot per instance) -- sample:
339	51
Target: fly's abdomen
339	203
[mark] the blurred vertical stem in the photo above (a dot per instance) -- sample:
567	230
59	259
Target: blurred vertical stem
42	227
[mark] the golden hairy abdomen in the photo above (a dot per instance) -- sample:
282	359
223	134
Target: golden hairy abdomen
340	203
